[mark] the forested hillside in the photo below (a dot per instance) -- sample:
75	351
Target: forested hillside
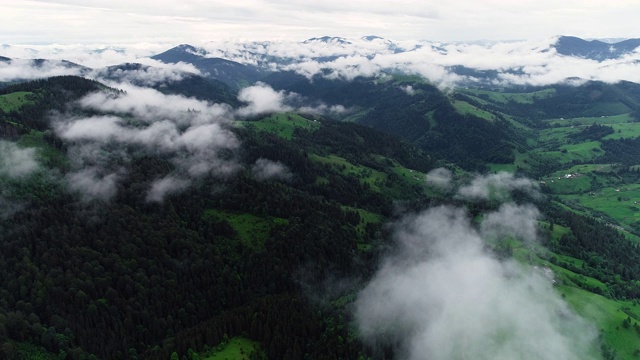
144	222
225	258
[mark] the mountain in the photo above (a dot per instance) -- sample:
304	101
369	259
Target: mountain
268	248
229	72
215	261
177	83
594	49
328	40
428	117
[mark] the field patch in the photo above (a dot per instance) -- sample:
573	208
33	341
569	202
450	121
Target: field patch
608	316
15	100
374	178
237	348
283	125
465	108
252	230
506	97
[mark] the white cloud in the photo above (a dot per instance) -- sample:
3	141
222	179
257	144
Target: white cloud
168	185
497	186
17	162
92	184
18	69
261	99
195	136
441	295
440	178
265	169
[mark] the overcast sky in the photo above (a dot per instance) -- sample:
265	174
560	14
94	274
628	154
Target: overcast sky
128	21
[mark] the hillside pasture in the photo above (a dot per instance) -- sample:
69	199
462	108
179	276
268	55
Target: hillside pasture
237	348
252	230
624	131
282	125
506	97
620	203
14	101
374	178
465	108
600	120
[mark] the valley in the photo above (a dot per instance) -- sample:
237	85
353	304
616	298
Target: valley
252	214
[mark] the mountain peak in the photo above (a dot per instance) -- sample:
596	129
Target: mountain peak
372	38
328	40
594	49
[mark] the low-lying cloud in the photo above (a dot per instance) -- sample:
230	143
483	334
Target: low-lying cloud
265	169
497	186
17	162
441	295
168	185
262	99
515	62
19	69
195	136
440	178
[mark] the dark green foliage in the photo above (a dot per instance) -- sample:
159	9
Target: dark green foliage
624	151
427	119
233	74
592	133
52	94
189	85
150	279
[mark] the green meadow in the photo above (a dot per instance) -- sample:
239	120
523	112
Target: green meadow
506	97
252	230
14	101
464	108
283	125
237	348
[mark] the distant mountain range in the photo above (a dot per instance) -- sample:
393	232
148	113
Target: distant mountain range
230	72
594	49
252	62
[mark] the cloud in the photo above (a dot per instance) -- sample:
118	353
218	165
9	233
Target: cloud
440	178
497	186
195	136
151	105
8	205
144	75
520	221
92	184
441	295
17	162
408	89
18	69
265	169
262	99
168	185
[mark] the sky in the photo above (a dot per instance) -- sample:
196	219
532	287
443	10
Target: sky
170	21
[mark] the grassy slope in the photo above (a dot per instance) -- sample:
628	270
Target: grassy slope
282	125
592	189
253	230
237	348
14	101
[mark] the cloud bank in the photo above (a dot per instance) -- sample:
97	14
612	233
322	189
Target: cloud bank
441	295
497	186
265	169
17	162
195	136
530	62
